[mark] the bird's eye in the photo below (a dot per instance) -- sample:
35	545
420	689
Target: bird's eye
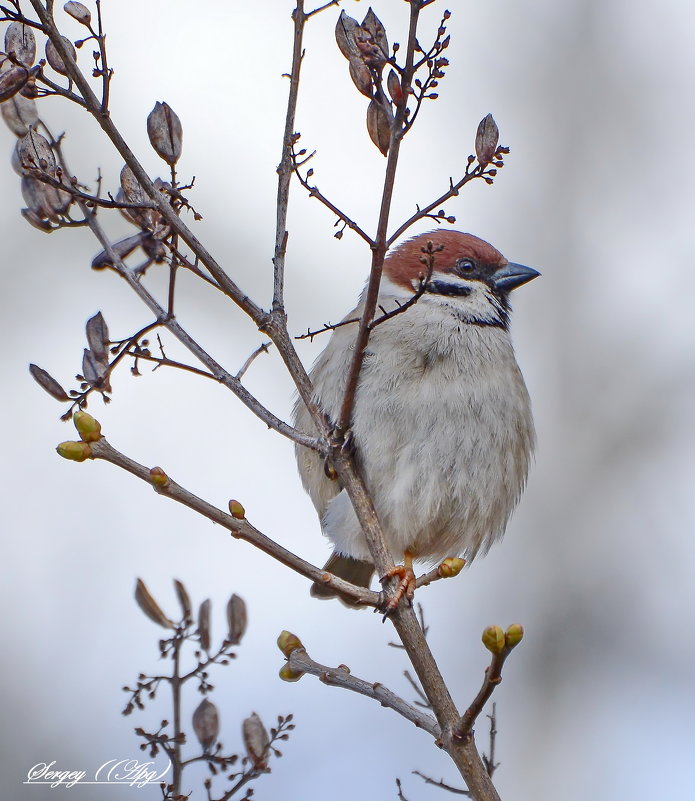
465	266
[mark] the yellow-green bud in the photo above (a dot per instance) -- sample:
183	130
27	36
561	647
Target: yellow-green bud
237	510
158	477
514	635
288	642
87	427
451	567
75	451
287	674
493	639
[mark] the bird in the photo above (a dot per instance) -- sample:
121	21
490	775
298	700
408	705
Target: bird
441	426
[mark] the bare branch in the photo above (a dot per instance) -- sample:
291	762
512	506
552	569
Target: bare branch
239	528
300	661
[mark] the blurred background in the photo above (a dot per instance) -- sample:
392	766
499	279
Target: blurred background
595	101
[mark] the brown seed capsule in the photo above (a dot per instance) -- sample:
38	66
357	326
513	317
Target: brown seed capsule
33	219
20	43
361	76
372	25
19	113
11	81
393	84
204	625
55	59
35	153
379	126
122	249
486	140
79	12
347	30
206	723
236	619
184	599
255	739
148	604
165	132
48	383
98	336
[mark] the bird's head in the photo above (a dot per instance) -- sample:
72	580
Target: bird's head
469	276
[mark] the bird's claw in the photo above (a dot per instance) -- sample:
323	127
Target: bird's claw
405	588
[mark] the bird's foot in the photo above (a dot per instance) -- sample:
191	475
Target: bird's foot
406	584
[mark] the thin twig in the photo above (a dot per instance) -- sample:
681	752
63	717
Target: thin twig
340	676
262	348
442	784
239	528
493	676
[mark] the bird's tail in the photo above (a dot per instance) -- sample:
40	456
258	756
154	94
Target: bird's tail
356	571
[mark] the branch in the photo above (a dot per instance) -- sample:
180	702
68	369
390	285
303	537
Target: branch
240	528
300	661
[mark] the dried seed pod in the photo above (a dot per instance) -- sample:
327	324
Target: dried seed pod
122	249
255	739
98	337
206	723
45	200
204	625
20	43
35	153
55	59
12	80
48	383
92	369
19	113
149	606
361	76
132	192
372	25
79	12
165	132
185	601
237	619
379	125
347	30
393	84
486	140
33	219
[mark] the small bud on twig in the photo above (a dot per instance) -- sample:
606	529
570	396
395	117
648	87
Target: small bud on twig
75	451
288	642
493	639
158	477
513	635
451	567
87	427
236	510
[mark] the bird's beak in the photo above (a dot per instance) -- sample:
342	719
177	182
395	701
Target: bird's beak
513	275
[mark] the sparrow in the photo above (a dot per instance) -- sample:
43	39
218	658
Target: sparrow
441	422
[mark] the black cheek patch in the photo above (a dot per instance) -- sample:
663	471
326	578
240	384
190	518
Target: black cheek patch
451	290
